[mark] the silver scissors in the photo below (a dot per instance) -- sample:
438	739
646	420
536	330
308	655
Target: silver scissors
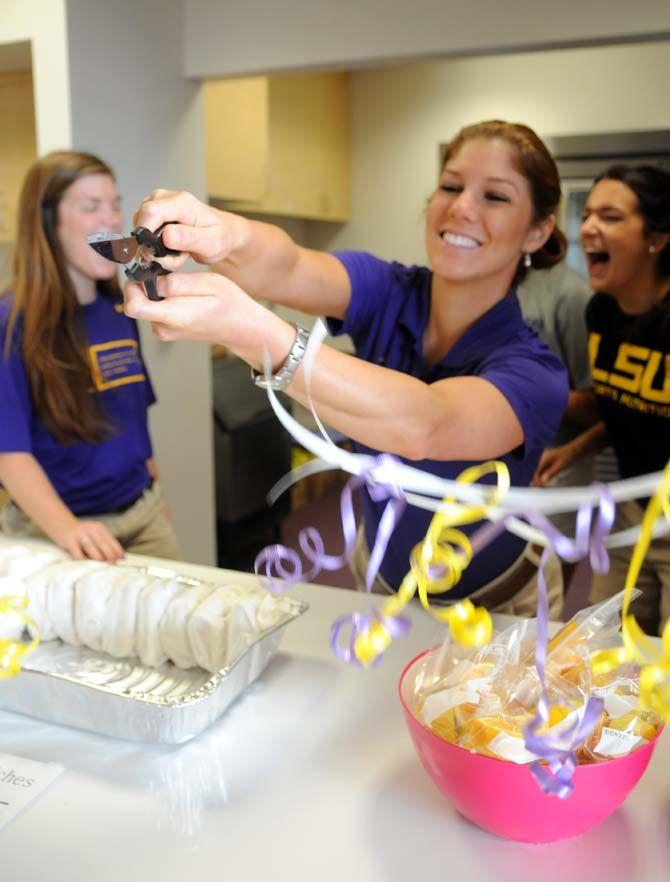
137	252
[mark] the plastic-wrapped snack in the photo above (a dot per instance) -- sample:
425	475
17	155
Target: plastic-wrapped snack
451	723
496	728
623	726
462	686
448	686
485	701
460	689
499	735
617	736
595	627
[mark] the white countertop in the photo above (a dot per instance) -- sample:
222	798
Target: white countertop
310	775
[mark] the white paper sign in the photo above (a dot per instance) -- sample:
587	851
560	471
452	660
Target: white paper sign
22	781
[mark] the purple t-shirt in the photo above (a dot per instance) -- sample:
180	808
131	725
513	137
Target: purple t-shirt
89	478
387	318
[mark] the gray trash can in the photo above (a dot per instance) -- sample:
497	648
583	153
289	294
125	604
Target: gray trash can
252	452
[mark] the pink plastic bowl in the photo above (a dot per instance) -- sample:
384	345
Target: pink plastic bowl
504	798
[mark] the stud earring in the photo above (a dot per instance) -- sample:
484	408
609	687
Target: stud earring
527	262
652	249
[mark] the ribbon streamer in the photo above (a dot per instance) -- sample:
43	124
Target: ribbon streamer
437	563
637	647
273	559
428	490
12	652
558	749
434	563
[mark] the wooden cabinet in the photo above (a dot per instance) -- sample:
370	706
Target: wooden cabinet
18	148
280	145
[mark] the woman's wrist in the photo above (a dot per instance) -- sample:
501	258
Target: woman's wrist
274	344
282	377
239	234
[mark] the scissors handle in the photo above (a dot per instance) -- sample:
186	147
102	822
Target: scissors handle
147	275
150	285
154	241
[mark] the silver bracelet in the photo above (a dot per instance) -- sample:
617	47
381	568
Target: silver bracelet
286	372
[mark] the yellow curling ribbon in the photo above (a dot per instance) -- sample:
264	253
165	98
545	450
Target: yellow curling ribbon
450	550
372	643
637	647
12	652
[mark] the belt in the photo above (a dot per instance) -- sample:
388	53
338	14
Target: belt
123	508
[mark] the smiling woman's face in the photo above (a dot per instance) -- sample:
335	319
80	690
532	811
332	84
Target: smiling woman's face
89	205
478	222
613	237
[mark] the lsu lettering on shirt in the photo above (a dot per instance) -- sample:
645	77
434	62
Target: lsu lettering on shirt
630	369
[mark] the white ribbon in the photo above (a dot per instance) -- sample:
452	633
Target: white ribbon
427	491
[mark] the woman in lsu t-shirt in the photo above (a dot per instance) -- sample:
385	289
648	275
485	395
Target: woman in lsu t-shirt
626	233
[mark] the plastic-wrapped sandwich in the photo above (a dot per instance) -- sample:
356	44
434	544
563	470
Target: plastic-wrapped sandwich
128	612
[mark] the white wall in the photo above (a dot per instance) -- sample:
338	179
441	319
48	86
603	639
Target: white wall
131	104
43	23
400	115
228	38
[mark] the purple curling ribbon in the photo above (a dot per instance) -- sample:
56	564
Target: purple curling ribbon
283	566
558	749
274	558
588	545
397	626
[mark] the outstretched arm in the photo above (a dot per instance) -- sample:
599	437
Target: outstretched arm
459	418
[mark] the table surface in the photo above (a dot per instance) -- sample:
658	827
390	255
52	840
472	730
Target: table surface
310	775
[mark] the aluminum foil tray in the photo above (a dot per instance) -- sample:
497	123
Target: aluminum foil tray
124	699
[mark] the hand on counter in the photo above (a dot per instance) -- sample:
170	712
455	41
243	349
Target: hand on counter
88	539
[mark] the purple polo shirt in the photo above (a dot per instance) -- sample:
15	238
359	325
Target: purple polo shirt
386	319
89	478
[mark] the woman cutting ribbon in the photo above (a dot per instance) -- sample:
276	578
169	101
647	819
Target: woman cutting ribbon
447	373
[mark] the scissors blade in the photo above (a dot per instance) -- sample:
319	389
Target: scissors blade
114	246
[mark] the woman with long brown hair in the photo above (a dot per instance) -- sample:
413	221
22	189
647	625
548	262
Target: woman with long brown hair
447	372
75	452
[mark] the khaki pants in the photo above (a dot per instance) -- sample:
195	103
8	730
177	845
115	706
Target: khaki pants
652	608
513	592
144	528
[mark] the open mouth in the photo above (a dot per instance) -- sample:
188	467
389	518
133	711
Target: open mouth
598	261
